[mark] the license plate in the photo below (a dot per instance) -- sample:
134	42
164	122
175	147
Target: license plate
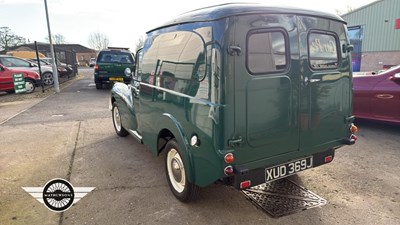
287	169
116	78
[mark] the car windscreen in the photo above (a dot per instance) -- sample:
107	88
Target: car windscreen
115	57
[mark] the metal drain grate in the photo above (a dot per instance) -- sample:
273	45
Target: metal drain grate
282	197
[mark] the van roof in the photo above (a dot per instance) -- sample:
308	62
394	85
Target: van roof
233	9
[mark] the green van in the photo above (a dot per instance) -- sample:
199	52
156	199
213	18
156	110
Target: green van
240	94
111	64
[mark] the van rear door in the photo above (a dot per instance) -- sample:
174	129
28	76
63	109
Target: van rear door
325	106
267	85
292	85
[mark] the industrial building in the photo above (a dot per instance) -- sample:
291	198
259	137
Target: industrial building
374	30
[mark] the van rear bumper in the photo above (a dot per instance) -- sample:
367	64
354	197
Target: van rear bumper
258	176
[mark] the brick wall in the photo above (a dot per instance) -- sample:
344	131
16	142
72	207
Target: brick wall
372	61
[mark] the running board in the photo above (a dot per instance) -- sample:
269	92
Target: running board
136	135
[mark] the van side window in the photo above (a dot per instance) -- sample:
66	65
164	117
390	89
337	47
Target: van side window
323	51
180	53
266	52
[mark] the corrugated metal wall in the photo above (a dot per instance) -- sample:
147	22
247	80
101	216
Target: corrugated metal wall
379	21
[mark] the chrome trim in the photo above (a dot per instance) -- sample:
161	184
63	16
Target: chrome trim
136	135
194	100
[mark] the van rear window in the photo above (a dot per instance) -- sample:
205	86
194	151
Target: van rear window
266	52
323	51
115	57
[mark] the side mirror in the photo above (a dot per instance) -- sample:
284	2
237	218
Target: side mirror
1	68
128	72
32	65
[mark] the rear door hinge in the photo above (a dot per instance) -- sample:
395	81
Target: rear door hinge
233	49
235	142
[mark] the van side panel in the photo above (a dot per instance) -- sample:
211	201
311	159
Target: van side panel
180	91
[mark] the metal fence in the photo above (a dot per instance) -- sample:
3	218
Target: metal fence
67	66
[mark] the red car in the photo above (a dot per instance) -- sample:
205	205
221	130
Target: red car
377	97
32	79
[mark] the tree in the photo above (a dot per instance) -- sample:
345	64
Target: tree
342	12
98	41
139	43
9	39
57	39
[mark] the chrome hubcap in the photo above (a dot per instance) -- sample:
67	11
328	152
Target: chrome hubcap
29	87
176	170
117	119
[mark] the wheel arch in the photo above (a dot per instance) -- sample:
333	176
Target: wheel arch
30	79
174	130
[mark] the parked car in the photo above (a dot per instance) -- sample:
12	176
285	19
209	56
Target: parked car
92	62
32	79
111	64
59	63
377	97
62	69
18	63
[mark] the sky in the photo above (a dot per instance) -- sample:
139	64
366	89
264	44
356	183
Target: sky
123	21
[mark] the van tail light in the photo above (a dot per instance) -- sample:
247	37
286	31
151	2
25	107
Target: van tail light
353	137
228	170
351	140
229	158
96	68
353	129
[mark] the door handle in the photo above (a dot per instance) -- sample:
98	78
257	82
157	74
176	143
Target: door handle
384	96
314	80
308	81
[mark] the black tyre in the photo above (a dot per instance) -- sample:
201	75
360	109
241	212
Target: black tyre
48	78
117	121
29	86
175	170
99	86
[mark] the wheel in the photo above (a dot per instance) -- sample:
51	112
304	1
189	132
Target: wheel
182	189
48	78
117	121
99	86
29	86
